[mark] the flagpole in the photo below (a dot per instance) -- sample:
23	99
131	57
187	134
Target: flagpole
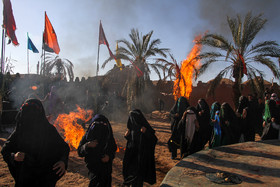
41	70
3	50
27	56
44	67
97	65
27	62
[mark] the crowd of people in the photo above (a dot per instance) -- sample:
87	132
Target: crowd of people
37	155
193	127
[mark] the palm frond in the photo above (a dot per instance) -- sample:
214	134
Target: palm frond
268	63
216	81
271	51
156	67
262	45
130	49
215	40
134	36
146	41
252	28
106	61
256	81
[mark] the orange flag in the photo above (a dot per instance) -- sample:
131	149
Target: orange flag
9	22
49	37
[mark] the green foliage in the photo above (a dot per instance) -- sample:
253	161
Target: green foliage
142	52
58	67
242	47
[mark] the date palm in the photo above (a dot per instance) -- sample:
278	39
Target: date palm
58	67
240	55
141	52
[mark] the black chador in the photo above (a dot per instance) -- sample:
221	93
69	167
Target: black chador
205	129
35	152
139	159
176	114
98	146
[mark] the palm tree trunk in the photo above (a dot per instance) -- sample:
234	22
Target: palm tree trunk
236	91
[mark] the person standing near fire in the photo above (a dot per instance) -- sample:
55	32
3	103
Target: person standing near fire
35	152
98	146
176	115
139	156
188	125
205	129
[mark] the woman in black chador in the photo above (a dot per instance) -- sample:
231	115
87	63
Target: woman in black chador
246	118
188	127
98	146
176	115
139	159
205	129
35	153
228	122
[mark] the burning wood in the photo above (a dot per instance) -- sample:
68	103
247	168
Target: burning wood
68	125
184	74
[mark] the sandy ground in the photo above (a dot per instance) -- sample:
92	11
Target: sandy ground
77	172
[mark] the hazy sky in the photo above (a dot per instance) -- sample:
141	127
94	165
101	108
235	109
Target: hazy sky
174	22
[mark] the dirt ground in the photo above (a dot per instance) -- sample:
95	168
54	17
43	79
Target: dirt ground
77	172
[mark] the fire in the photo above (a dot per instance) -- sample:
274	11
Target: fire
120	149
68	125
34	87
184	74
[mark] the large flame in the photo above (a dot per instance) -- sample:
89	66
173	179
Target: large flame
184	74
68	125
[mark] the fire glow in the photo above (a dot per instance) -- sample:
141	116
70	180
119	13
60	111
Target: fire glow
34	87
68	125
184	74
120	149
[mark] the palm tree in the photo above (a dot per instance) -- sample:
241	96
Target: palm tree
241	54
58	67
139	54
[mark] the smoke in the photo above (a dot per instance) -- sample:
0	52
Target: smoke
214	14
21	89
86	67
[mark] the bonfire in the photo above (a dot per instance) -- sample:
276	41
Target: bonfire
70	125
184	74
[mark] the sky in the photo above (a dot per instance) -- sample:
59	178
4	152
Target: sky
174	22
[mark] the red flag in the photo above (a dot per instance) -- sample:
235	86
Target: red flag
103	40
49	37
9	22
102	37
243	62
